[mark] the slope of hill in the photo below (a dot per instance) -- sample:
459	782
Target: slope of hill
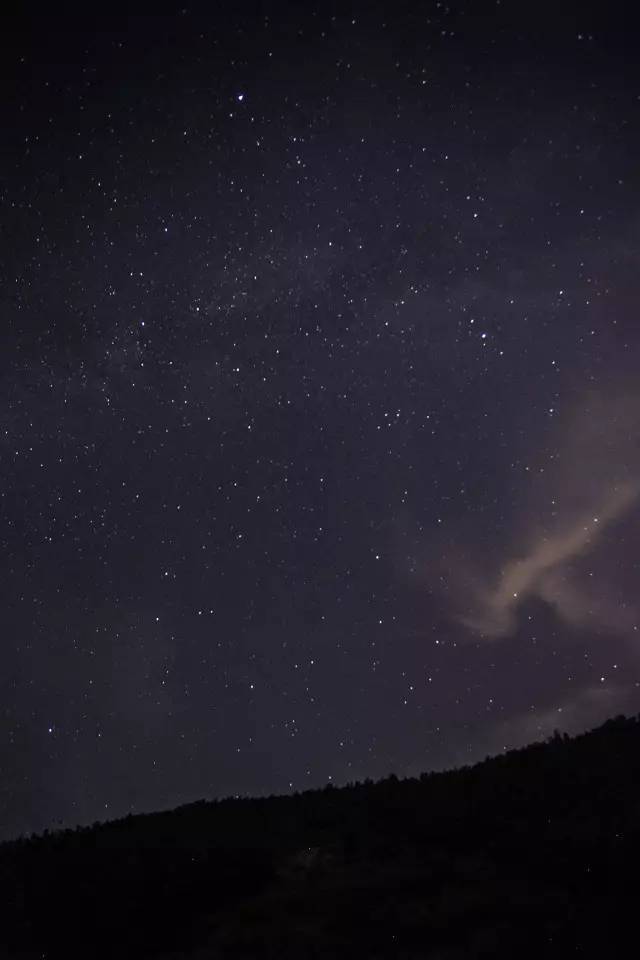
533	853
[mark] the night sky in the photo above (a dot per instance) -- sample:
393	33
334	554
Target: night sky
319	395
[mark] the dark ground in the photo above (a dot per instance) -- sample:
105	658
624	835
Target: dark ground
533	853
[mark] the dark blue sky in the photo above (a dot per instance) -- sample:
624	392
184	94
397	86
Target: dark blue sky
319	414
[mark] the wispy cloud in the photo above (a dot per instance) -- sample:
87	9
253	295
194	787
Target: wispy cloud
573	712
569	510
542	571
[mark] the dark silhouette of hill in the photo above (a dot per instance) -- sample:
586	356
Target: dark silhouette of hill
531	854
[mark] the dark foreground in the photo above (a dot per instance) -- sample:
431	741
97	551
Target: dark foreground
532	854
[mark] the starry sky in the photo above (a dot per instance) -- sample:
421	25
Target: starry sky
319	399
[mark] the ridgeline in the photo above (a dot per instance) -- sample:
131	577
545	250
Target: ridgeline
530	854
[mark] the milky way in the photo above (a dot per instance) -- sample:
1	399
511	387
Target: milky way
319	412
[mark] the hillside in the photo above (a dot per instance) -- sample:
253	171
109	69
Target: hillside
533	853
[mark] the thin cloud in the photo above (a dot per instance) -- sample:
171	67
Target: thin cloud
572	713
584	483
540	571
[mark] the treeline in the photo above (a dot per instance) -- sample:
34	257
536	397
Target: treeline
533	853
